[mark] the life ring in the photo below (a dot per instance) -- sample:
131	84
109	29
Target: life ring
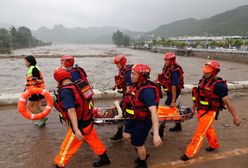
23	99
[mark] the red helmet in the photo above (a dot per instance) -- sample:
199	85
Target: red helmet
143	71
68	60
62	58
212	66
61	74
120	59
171	57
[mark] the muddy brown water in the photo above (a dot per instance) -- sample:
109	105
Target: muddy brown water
23	145
101	70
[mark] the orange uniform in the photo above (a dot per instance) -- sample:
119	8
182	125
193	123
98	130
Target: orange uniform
77	110
204	128
209	98
70	145
208	103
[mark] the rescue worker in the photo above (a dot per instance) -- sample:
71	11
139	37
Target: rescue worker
77	73
76	110
171	79
209	98
122	84
140	106
79	77
34	79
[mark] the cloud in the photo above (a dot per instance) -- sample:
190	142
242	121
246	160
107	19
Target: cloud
142	15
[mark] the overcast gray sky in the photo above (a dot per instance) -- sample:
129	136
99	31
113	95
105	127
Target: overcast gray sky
140	15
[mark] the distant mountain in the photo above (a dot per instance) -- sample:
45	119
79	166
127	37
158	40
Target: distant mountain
232	22
61	34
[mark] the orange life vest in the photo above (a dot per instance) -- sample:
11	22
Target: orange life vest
31	81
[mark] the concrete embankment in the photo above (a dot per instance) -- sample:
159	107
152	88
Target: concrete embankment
229	56
234	56
12	99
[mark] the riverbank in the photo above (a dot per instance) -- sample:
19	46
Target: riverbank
235	56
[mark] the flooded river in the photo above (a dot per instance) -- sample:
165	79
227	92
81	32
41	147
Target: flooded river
97	60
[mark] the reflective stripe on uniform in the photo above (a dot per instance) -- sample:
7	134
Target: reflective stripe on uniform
129	111
120	90
66	150
204	133
90	105
30	70
204	103
165	90
60	114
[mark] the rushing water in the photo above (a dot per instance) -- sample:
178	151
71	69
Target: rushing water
97	60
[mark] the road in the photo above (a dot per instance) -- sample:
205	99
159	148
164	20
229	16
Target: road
23	145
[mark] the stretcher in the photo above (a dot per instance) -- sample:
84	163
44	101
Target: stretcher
113	115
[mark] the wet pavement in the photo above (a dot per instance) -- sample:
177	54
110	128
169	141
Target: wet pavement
23	145
100	69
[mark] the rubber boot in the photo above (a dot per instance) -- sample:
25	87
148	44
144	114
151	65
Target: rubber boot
104	160
209	149
118	134
138	159
42	122
36	122
56	166
184	157
141	164
178	127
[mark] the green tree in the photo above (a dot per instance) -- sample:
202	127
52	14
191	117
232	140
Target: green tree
120	39
221	44
229	43
126	40
238	43
154	42
25	37
4	41
13	37
196	44
117	38
21	38
180	44
25	31
212	44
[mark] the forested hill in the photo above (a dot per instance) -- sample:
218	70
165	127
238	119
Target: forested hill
232	22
